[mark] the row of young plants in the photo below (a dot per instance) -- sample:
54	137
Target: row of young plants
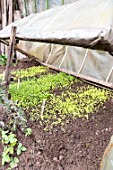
51	100
14	120
32	91
28	72
48	99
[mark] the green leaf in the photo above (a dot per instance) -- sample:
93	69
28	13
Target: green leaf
9	168
20	145
13	144
3	59
5	140
23	149
14	162
18	151
5	137
5	159
12	138
6	150
4	132
11	149
28	132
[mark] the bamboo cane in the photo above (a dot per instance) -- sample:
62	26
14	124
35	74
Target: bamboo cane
25	6
47	4
62	2
35	6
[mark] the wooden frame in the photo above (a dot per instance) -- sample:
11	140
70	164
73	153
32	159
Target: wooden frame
90	80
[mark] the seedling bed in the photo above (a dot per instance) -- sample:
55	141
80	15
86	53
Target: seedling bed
71	121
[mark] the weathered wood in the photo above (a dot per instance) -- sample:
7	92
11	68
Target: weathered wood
0	22
17	15
11	12
21	8
4	19
81	76
18	49
30	7
10	57
4	13
91	79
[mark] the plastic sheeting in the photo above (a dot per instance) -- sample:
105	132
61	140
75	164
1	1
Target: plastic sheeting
107	161
85	23
52	3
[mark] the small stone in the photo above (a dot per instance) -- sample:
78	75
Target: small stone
37	163
2	125
97	132
61	157
55	159
39	153
106	129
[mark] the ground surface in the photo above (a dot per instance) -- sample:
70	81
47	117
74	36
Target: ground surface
79	147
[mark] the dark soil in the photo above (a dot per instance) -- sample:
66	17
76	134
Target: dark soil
79	147
22	64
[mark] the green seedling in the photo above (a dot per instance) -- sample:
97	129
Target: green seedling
10	142
16	118
29	72
3	60
14	162
68	104
28	132
33	91
20	149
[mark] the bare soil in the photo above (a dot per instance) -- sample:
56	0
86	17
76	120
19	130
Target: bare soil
22	64
79	147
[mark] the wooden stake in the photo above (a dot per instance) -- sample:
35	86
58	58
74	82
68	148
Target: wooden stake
4	20
0	23
21	8
9	59
42	110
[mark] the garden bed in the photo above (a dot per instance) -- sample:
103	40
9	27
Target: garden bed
71	121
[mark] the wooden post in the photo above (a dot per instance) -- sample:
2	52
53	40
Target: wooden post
22	8
0	23
4	19
9	59
11	12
